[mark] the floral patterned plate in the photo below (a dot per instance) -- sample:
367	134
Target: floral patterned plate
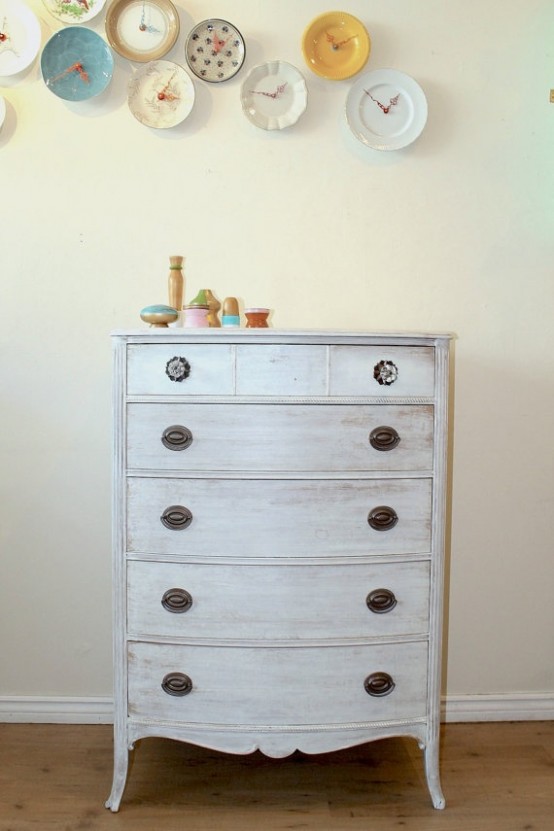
161	94
74	11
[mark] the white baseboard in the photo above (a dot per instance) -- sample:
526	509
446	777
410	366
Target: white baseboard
56	710
502	707
455	708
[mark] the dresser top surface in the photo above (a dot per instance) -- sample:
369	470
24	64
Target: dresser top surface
269	335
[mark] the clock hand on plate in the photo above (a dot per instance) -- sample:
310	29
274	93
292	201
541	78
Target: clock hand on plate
218	44
75	67
279	91
5	39
385	107
337	44
143	26
164	94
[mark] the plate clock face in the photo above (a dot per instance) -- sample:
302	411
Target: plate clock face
215	50
386	109
142	30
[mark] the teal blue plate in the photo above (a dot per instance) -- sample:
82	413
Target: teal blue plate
76	64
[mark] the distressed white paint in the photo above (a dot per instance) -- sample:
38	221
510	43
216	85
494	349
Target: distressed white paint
278	562
289	437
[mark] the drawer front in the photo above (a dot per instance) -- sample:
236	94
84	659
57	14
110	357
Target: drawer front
277	602
278	437
402	371
277	686
199	369
281	369
301	518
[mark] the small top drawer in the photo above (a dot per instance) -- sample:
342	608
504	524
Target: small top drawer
281	369
180	369
388	371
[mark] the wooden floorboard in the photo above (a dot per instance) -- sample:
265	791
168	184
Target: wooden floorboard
496	777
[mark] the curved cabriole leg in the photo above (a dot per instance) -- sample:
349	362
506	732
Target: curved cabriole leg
120	773
431	758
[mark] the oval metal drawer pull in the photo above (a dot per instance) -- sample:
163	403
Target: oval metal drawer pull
176	437
177	368
381	601
379	684
384	438
385	373
382	518
177	601
176	517
177	683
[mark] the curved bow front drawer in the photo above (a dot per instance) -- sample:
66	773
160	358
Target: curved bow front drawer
189	600
278	686
302	518
279	437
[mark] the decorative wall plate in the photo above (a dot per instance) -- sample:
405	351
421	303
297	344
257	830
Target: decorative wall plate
161	94
386	109
74	11
215	50
336	45
19	37
76	64
142	30
2	112
274	95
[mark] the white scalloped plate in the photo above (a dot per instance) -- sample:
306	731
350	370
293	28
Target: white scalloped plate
274	95
386	109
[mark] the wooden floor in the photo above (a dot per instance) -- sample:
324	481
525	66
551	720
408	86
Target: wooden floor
496	777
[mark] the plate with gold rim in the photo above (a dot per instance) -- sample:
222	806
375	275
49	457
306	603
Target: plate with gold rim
142	30
336	45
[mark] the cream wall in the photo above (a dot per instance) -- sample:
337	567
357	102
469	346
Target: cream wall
454	233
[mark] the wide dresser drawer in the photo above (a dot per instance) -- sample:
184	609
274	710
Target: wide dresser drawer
279	602
277	686
295	437
301	517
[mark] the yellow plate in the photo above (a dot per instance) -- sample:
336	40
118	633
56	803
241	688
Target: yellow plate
336	45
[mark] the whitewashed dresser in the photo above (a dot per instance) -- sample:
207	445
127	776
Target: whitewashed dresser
278	525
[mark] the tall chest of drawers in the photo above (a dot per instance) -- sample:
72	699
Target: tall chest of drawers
278	536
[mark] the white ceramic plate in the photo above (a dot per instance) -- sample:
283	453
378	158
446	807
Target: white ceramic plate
19	37
386	109
2	112
274	95
161	94
74	11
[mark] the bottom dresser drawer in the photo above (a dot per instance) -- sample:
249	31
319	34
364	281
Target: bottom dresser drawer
277	686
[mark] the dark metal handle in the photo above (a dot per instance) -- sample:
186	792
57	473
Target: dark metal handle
177	368
176	437
379	684
176	517
176	683
382	518
381	601
385	372
177	601
384	438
